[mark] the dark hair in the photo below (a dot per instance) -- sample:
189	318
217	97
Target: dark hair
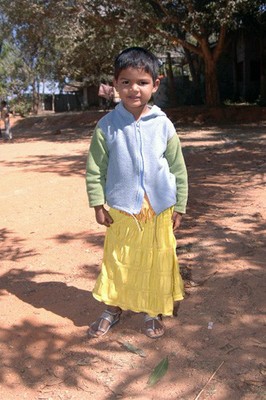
137	57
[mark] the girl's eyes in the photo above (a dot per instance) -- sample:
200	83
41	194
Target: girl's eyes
141	83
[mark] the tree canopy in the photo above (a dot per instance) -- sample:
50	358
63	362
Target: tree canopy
78	39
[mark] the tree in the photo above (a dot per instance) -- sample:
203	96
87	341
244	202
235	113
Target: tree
202	28
13	71
262	26
93	32
69	39
31	25
78	39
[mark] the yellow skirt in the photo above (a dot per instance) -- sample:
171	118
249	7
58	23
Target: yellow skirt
140	270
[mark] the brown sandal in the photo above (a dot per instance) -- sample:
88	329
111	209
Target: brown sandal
155	325
97	326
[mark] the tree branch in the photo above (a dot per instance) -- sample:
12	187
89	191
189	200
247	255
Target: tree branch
221	43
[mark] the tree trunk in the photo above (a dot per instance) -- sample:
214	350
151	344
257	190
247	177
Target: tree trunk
171	82
263	66
53	102
212	95
194	67
35	97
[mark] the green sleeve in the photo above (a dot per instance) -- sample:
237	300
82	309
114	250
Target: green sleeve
96	170
175	159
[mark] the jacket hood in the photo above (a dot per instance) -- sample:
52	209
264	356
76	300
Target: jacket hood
154	111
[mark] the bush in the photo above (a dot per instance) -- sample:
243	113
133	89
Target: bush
21	106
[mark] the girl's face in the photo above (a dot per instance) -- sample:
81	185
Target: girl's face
135	88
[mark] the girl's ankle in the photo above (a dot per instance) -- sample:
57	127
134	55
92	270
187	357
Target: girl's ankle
114	309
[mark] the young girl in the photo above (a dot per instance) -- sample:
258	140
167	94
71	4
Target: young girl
135	166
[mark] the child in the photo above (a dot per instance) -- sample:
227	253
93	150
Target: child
135	165
6	120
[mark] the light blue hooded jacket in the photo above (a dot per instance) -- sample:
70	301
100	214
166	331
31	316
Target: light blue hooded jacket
128	158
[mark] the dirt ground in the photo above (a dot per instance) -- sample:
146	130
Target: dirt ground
51	250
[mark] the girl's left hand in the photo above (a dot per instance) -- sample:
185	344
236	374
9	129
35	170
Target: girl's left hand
102	216
176	218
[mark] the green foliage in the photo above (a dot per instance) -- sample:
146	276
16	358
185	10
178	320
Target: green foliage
99	30
13	71
78	39
31	56
203	27
21	105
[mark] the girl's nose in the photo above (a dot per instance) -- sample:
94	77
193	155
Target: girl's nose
134	87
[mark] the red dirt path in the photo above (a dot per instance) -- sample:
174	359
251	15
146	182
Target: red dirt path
51	250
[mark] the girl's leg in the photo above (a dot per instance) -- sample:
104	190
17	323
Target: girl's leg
176	308
108	318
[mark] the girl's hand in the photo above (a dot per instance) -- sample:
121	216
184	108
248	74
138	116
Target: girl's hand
102	216
176	218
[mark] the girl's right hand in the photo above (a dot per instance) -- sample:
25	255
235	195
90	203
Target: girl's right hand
102	216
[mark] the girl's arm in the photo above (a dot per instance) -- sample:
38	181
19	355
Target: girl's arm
177	167
96	169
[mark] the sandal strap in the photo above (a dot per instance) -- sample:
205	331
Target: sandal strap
148	318
109	316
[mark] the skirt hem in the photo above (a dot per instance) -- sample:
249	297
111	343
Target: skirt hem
136	310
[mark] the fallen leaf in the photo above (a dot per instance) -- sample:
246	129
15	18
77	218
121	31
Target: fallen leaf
262	369
158	372
192	284
253	382
84	361
133	349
